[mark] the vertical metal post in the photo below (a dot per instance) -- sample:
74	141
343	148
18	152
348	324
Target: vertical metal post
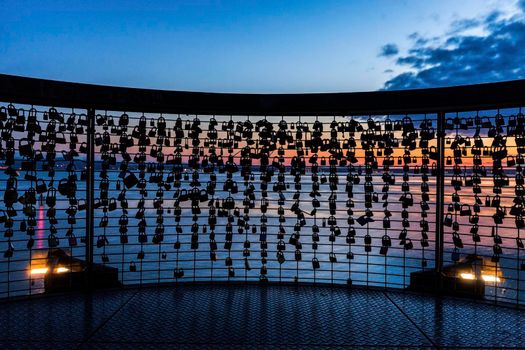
440	192
90	167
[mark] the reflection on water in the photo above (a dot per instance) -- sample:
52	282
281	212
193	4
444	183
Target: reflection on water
40	228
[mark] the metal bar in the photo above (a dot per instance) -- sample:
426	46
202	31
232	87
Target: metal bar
440	192
65	94
90	178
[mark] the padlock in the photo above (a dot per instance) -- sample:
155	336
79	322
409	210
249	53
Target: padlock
315	263
178	273
280	257
53	241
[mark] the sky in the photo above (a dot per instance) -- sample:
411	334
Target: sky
265	46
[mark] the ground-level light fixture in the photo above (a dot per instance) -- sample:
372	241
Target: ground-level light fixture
62	272
43	270
467	277
474	267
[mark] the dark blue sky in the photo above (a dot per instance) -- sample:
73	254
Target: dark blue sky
265	46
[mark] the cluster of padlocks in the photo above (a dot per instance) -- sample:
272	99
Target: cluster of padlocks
255	183
491	149
271	188
30	148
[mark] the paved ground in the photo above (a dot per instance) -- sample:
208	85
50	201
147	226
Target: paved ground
256	317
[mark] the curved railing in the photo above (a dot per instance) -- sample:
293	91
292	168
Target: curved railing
416	188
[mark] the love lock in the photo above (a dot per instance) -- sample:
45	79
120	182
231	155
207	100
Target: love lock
280	257
178	273
53	241
298	255
11	193
315	263
72	240
8	253
231	272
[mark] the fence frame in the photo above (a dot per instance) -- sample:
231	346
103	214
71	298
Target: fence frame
32	91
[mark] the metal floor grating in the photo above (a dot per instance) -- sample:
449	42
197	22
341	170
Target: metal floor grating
256	317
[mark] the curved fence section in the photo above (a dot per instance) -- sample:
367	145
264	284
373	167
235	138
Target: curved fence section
95	193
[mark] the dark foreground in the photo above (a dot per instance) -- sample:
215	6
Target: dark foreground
255	317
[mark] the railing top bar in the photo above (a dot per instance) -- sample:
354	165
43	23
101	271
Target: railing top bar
75	95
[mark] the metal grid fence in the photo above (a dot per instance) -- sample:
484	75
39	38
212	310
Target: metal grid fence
166	197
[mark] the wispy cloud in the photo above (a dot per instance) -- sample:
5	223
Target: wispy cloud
462	25
496	53
388	50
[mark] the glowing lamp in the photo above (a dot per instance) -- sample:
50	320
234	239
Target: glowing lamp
39	271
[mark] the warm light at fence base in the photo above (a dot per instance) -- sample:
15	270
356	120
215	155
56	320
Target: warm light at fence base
486	278
467	276
39	271
490	278
44	270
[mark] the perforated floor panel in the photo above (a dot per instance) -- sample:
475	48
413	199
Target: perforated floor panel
256	317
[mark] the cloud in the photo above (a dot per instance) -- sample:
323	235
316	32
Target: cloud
389	50
493	17
461	25
460	59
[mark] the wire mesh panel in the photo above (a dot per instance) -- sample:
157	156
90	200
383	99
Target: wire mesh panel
315	199
43	190
484	199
